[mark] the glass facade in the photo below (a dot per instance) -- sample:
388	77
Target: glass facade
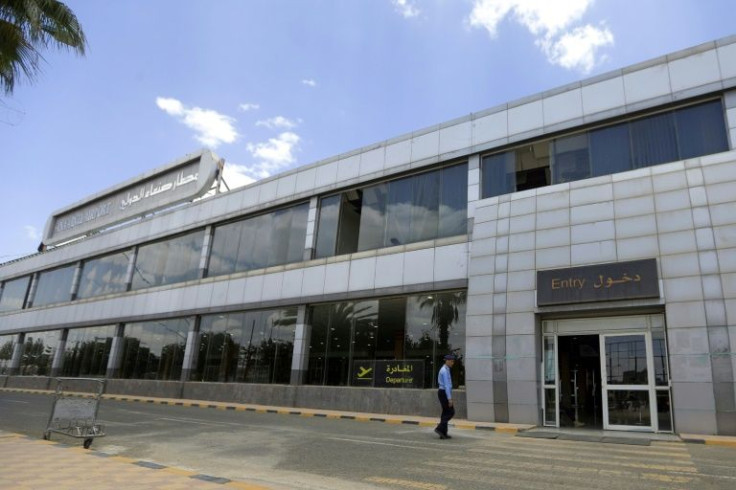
155	350
54	286
678	134
13	296
168	261
250	347
419	207
38	353
410	329
104	275
87	351
7	344
275	238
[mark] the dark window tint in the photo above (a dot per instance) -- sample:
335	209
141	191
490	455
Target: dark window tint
453	205
653	140
104	275
498	173
329	211
14	293
701	130
610	150
571	160
169	261
54	286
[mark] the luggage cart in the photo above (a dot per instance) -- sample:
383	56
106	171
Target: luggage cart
76	416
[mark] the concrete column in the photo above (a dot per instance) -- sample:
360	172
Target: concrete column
58	362
14	368
204	256
75	281
32	290
115	361
311	239
191	351
300	358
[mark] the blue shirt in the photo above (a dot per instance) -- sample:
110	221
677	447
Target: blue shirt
444	381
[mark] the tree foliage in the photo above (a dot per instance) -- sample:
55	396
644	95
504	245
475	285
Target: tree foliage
27	27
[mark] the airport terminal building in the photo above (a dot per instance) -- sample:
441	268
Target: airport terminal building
576	248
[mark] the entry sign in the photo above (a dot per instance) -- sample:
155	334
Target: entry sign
603	282
389	373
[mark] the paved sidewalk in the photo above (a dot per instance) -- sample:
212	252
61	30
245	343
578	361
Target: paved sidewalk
29	463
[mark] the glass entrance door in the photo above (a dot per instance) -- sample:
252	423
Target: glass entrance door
627	382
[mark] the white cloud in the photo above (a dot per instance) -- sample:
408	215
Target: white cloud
309	82
248	107
273	155
577	49
211	127
236	175
278	122
406	8
566	45
32	232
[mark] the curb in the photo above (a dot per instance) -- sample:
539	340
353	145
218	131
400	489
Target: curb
709	440
329	414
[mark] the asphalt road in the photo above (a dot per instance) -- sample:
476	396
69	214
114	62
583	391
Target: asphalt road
290	451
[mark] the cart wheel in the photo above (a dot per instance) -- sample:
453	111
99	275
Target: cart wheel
88	443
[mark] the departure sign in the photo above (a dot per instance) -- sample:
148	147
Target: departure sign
604	282
399	373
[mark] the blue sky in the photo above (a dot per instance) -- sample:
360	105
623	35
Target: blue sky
273	84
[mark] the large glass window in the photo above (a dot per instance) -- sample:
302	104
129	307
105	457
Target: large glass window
87	351
168	261
155	350
665	137
38	353
7	344
103	275
420	207
54	286
13	296
415	331
262	241
251	347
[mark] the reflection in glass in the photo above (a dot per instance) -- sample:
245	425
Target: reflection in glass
664	413
168	261
570	160
453	212
424	327
155	350
103	275
499	174
260	241
54	286
373	217
550	375
550	407
250	347
38	353
626	360
628	407
87	351
659	351
7	344
13	296
329	209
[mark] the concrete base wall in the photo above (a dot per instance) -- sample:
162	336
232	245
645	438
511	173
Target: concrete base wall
393	401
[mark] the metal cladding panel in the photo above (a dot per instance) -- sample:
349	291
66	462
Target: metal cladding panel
180	181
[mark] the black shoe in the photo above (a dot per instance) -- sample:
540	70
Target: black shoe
442	436
447	436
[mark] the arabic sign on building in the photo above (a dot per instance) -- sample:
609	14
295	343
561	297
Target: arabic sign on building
180	181
389	374
604	282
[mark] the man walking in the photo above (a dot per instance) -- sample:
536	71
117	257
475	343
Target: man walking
444	393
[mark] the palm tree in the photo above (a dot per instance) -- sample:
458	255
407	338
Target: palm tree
445	312
27	27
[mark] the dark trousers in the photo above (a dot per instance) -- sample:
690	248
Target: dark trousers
447	411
